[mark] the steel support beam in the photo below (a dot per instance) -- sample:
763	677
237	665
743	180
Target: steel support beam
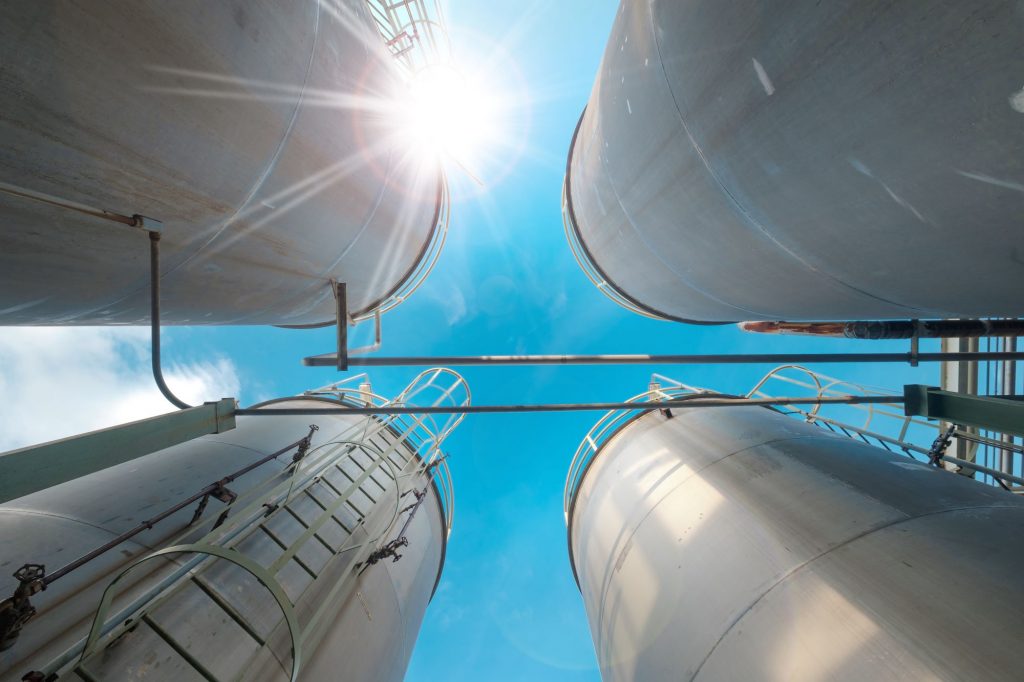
1004	414
38	467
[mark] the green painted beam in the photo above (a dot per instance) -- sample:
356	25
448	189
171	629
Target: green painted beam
38	467
1004	414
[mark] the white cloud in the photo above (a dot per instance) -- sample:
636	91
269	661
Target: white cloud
61	381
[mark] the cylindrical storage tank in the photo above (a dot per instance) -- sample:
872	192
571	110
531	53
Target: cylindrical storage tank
740	544
261	134
224	620
742	160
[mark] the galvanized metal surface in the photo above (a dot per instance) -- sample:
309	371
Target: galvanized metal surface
382	606
739	160
746	545
29	470
257	133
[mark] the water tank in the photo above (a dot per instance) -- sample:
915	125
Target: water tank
741	544
259	133
742	160
352	538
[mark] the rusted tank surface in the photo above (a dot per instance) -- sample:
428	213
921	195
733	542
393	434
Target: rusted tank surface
745	160
259	133
741	544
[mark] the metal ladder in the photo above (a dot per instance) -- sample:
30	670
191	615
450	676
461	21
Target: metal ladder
299	548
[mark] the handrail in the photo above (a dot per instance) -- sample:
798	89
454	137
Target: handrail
823	388
428	259
585	264
608	424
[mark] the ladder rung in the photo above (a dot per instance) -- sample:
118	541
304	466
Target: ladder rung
321	505
179	649
295	515
283	546
330	485
229	609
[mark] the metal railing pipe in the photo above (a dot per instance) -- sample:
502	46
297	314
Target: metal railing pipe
329	360
695	401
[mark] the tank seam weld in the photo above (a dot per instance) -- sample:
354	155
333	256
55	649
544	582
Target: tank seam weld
736	203
36	512
255	188
606	584
277	152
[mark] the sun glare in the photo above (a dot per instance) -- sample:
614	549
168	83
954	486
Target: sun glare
447	114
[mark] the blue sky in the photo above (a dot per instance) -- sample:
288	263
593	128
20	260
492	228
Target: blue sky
507	607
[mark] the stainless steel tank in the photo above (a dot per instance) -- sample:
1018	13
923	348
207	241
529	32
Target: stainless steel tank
743	160
740	544
261	134
319	532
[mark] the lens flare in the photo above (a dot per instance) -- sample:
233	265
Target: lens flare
445	113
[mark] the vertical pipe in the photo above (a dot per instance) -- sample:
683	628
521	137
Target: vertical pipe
1009	388
154	321
961	377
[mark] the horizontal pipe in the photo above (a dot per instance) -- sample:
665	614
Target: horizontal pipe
329	360
1014	447
994	473
149	523
13	190
696	401
892	329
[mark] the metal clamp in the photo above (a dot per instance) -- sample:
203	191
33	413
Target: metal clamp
938	449
304	444
388	550
915	342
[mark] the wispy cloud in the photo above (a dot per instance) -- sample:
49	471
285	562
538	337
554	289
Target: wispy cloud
62	381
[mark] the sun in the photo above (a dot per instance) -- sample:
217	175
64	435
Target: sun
445	113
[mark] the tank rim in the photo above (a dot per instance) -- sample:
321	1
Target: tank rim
579	484
403	280
572	224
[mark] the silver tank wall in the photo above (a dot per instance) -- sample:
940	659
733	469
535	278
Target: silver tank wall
743	159
257	131
370	637
740	544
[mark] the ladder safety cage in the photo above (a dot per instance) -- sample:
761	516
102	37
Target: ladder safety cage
882	426
299	536
414	32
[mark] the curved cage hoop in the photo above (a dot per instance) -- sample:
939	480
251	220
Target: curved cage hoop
265	577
